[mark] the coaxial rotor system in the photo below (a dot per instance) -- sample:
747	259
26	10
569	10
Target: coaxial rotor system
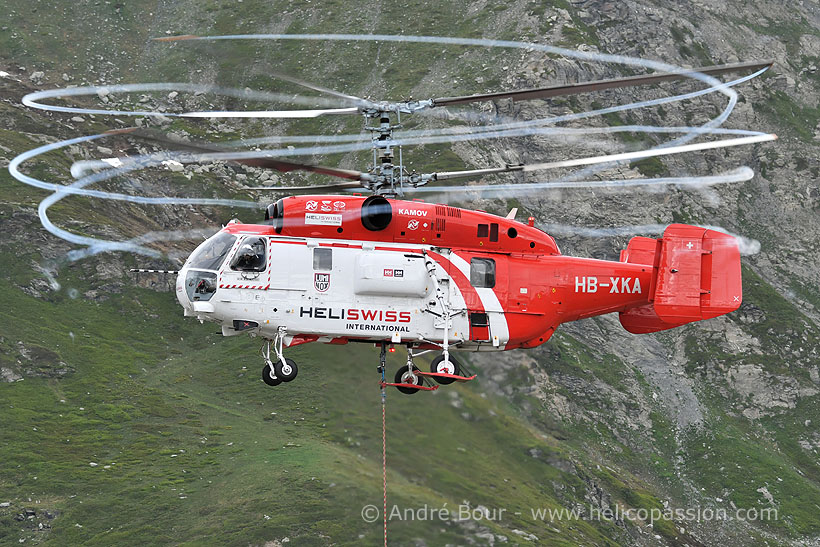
387	175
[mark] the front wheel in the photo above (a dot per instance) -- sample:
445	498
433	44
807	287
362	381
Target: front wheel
440	366
269	377
403	376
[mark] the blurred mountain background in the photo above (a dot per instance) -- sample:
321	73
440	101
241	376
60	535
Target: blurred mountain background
121	422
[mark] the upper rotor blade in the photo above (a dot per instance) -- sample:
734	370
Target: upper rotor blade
585	87
270	163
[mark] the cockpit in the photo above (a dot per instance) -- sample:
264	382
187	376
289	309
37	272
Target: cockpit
205	263
200	285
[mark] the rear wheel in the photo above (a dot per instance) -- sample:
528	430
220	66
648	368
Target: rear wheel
440	366
268	376
403	376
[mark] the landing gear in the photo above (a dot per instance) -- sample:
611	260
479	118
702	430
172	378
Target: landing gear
406	376
445	364
269	377
282	369
287	371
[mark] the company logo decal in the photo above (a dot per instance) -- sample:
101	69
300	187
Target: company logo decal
323	219
413	224
311	205
321	281
363	320
413	212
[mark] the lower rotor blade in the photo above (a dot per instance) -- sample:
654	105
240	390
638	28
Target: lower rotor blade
269	163
725	143
318	189
319	88
272	113
532	188
449	175
626	156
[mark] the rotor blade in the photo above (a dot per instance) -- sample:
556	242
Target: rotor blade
533	188
318	189
585	87
271	113
270	163
447	175
724	143
175	38
319	88
280	76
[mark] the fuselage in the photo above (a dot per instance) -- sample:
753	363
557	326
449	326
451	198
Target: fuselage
342	268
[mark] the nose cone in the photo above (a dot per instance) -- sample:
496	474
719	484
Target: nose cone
182	296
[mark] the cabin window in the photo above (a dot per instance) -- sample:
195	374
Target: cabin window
483	230
322	258
482	272
250	257
494	232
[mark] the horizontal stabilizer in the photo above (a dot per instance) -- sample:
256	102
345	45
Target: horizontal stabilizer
697	276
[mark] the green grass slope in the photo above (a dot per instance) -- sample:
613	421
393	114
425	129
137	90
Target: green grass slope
191	446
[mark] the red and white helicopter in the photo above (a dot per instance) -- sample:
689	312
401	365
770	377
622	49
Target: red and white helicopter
348	268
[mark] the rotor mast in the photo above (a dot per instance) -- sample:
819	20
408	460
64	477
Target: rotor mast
388	174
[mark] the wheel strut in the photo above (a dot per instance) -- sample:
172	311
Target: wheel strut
282	369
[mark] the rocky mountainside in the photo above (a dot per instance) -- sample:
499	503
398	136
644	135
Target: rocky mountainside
122	422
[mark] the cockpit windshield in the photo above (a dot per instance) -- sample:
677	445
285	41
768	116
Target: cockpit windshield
209	255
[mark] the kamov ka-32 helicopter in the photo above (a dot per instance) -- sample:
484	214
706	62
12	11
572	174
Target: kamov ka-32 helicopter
348	268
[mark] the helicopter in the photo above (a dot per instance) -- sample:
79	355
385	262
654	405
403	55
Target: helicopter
340	268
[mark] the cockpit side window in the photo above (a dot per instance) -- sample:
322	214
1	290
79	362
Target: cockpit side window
250	257
210	254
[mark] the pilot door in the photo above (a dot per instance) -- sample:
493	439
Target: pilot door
248	265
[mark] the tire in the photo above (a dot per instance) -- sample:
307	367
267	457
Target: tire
399	379
267	378
438	362
287	372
